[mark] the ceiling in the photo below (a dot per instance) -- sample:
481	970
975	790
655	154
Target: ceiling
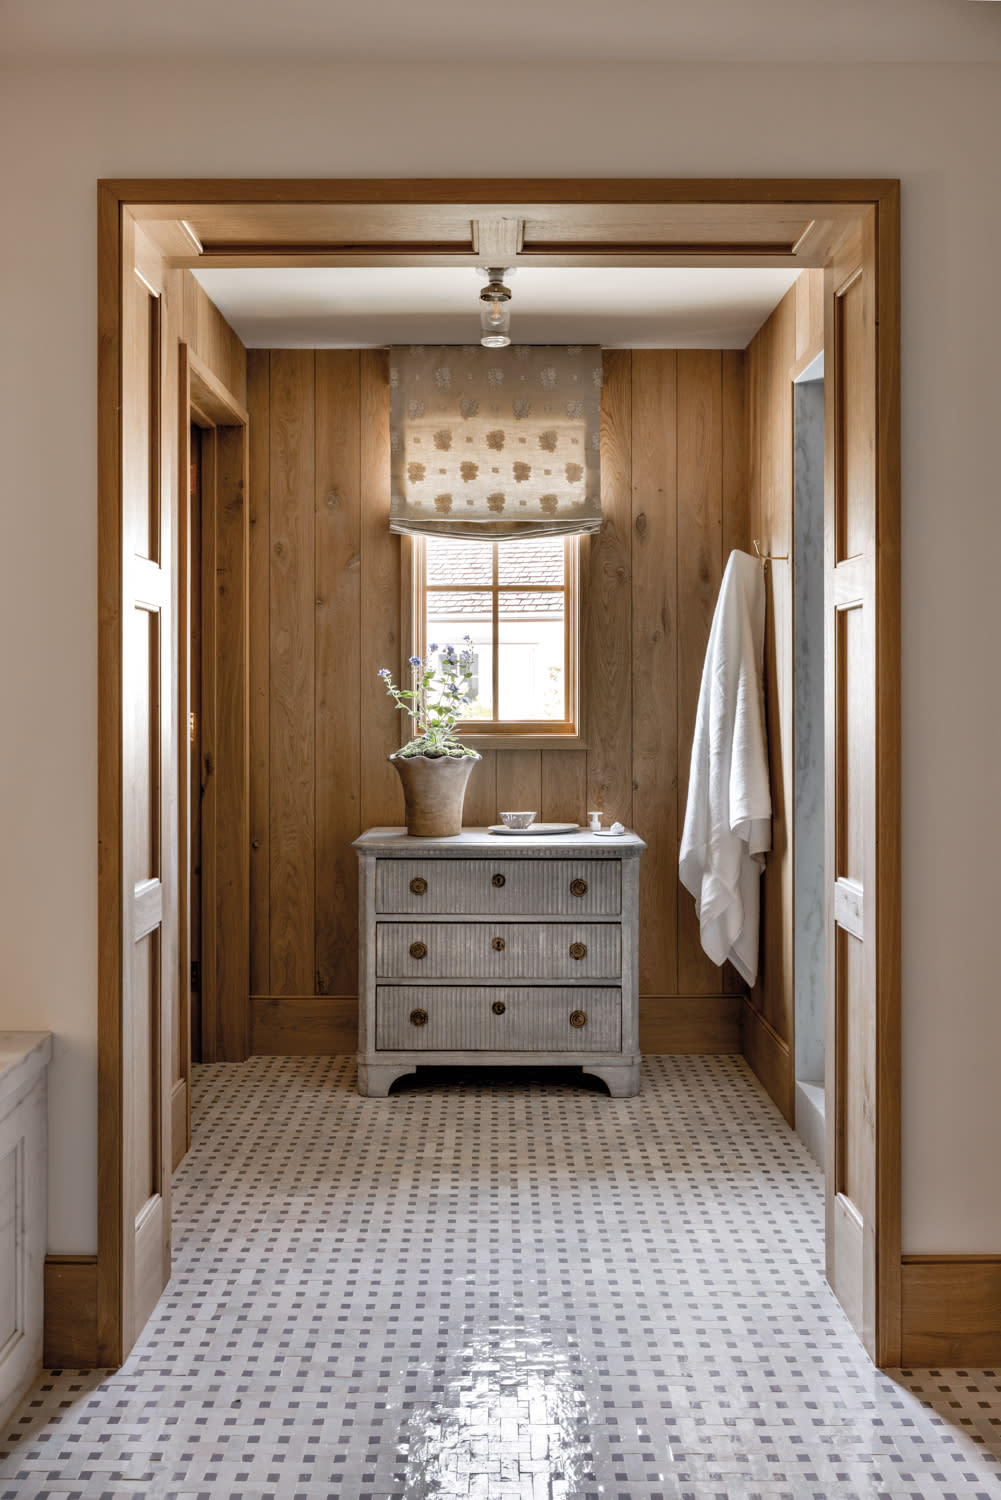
524	31
369	306
354	264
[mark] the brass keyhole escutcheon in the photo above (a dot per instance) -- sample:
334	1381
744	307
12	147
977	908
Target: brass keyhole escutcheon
497	880
418	1018
498	945
578	1018
578	950
418	950
498	1007
418	885
578	887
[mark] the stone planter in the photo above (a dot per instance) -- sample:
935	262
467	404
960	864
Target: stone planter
434	788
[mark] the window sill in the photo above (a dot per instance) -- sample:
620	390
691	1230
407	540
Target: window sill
516	740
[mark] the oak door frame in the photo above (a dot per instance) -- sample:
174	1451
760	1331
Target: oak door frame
224	782
881	195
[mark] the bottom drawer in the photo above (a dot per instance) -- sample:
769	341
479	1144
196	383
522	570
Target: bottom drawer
465	1019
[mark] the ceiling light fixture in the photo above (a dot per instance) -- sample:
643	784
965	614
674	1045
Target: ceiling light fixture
495	314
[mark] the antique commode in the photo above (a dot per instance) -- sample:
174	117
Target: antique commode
501	950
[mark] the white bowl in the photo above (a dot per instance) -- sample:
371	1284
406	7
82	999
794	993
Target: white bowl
517	819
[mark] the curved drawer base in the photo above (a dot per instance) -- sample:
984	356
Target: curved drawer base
620	1075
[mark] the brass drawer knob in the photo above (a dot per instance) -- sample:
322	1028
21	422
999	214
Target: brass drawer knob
498	945
497	880
578	950
578	1018
418	885
418	950
418	1018
498	1007
578	887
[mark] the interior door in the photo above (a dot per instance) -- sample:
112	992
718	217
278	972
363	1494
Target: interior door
861	600
140	981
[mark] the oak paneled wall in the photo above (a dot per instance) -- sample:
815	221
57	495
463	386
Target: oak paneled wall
324	605
791	338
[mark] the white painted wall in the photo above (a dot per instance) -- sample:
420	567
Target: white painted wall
935	126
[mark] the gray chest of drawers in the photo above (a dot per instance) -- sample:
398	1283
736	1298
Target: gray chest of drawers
483	948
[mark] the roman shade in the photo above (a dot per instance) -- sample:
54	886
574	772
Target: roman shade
495	442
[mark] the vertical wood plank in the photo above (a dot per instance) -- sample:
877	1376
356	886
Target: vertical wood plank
382	722
564	786
736	505
519	781
479	810
700	544
606	654
258	404
208	782
338	666
292	823
654	663
231	1028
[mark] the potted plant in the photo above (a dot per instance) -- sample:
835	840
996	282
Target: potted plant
434	767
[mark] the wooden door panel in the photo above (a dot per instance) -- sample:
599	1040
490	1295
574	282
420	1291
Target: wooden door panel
862	1217
148	966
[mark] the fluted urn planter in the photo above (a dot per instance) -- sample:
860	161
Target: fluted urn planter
434	788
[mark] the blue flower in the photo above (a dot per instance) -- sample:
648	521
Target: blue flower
415	661
384	672
433	646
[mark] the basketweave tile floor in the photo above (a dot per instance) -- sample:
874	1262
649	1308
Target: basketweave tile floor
505	1287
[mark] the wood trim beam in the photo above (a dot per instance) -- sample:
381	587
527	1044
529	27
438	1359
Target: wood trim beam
511	192
768	1057
70	1339
889	1066
111	897
950	1310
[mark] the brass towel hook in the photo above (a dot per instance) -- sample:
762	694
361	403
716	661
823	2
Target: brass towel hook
766	557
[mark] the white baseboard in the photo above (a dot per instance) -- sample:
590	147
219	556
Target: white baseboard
810	1118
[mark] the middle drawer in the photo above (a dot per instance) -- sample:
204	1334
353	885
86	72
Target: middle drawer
501	951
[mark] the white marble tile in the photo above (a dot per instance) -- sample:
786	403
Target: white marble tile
503	1287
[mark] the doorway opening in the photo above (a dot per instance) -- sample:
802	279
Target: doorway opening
850	228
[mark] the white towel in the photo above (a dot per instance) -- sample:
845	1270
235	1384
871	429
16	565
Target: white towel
728	818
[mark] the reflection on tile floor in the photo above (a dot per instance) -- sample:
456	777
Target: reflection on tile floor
505	1287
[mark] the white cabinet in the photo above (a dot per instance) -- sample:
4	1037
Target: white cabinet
502	950
24	1056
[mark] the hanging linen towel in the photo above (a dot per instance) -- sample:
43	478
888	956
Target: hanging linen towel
728	818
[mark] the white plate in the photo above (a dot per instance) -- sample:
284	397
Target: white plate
606	833
542	828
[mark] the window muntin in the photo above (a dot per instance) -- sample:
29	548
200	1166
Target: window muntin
517	601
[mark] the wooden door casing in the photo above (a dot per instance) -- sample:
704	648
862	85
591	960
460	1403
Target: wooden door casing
851	199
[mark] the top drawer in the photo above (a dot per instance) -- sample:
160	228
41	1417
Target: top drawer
499	887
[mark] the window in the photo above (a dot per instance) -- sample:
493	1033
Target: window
518	603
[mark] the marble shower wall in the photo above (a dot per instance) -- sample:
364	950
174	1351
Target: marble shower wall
808	730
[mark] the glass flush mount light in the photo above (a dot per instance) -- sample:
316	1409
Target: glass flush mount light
495	311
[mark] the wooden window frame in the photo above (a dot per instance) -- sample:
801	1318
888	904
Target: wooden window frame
510	734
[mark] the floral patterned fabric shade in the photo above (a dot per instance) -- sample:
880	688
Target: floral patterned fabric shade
495	442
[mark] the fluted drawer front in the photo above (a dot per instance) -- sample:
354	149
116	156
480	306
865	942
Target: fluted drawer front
464	1019
502	887
520	951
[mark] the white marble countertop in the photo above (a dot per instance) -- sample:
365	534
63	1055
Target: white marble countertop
480	840
23	1055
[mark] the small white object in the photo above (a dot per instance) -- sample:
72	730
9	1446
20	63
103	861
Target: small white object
618	828
595	821
518	819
